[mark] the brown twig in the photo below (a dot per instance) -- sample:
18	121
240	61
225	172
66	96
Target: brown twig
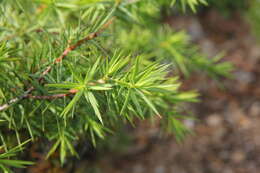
49	68
50	97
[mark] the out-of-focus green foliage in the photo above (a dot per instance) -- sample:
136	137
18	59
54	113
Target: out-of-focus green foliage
6	161
192	4
127	71
253	16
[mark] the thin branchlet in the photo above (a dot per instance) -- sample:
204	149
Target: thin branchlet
49	97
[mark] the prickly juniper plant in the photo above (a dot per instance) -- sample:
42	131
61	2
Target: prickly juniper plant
74	69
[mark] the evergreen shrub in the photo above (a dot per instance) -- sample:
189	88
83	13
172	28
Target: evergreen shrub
74	70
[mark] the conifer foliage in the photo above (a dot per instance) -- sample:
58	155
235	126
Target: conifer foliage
74	69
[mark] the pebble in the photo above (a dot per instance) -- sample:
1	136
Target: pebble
195	30
189	123
244	77
138	168
214	120
238	156
254	110
159	169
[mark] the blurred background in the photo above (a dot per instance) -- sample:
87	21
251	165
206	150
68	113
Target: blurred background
226	122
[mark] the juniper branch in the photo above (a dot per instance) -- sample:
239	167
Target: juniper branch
26	94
